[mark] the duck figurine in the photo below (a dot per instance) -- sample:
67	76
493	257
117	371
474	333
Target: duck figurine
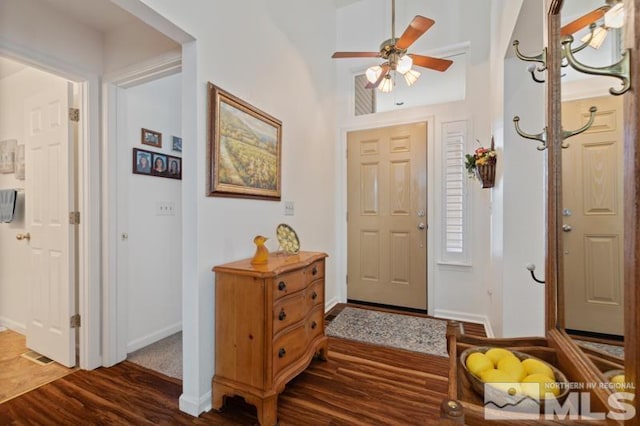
262	253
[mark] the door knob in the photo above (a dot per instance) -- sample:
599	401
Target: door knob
421	226
566	228
21	237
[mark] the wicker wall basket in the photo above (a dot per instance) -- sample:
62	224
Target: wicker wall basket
486	173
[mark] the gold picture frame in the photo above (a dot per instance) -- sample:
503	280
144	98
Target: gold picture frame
245	146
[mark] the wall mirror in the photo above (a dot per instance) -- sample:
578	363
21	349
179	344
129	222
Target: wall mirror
591	202
592	248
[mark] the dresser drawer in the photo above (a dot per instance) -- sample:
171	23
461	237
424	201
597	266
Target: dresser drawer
315	270
315	323
314	295
289	283
289	347
289	310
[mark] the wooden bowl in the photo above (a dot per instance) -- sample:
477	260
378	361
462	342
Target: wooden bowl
501	398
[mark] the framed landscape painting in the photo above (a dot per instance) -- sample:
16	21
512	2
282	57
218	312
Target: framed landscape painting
244	149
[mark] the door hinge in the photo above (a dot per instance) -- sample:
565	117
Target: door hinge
74	114
346	278
74	218
75	321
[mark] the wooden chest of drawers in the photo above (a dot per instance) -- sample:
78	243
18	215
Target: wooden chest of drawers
269	326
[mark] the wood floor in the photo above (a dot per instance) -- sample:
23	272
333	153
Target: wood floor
360	384
18	374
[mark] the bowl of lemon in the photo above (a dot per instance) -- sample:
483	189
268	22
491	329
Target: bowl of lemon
512	377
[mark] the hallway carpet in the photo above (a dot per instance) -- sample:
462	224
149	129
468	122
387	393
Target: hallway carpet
163	356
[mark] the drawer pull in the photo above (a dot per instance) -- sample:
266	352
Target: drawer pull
314	296
282	315
282	286
314	271
314	325
281	353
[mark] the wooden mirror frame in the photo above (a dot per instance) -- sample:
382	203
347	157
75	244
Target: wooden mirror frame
554	314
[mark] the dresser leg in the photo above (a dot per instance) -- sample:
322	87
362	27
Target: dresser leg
218	392
322	350
267	409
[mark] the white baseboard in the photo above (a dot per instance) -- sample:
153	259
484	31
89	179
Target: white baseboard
328	305
195	406
153	337
466	317
13	325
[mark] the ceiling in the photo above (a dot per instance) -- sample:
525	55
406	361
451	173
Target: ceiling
101	15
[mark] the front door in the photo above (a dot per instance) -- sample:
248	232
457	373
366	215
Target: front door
387	190
592	202
48	200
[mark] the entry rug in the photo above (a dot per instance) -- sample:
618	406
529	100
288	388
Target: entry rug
399	331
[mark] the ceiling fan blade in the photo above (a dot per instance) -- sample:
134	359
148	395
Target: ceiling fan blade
385	70
338	55
416	28
583	21
437	64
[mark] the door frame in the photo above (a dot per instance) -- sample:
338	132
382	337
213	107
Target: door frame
115	300
88	200
341	226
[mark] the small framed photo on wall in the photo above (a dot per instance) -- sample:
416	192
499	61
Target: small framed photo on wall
174	169
149	137
176	144
141	162
159	164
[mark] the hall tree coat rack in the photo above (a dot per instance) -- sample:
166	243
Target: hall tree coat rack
463	406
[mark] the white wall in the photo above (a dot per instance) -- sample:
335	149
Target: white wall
14	254
280	65
35	26
151	256
133	43
455	291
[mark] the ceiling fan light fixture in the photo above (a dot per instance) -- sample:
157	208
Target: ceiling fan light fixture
404	64
411	77
387	84
615	17
599	34
373	73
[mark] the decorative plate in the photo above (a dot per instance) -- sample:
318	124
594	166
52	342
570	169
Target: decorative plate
288	239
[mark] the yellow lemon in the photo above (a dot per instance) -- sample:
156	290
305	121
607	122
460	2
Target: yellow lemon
477	362
496	354
539	385
513	367
533	366
618	382
501	380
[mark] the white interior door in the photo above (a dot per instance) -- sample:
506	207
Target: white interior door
386	203
49	198
592	185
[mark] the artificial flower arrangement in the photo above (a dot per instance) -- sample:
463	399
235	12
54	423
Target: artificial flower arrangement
478	164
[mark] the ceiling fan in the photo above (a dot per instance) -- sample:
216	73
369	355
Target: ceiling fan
394	52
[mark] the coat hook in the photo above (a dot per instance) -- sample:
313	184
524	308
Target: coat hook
619	70
542	57
531	267
540	137
569	134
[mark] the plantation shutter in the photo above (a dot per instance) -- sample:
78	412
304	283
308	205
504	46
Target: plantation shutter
455	244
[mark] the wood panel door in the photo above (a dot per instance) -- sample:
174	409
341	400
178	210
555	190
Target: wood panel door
49	198
387	223
593	217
